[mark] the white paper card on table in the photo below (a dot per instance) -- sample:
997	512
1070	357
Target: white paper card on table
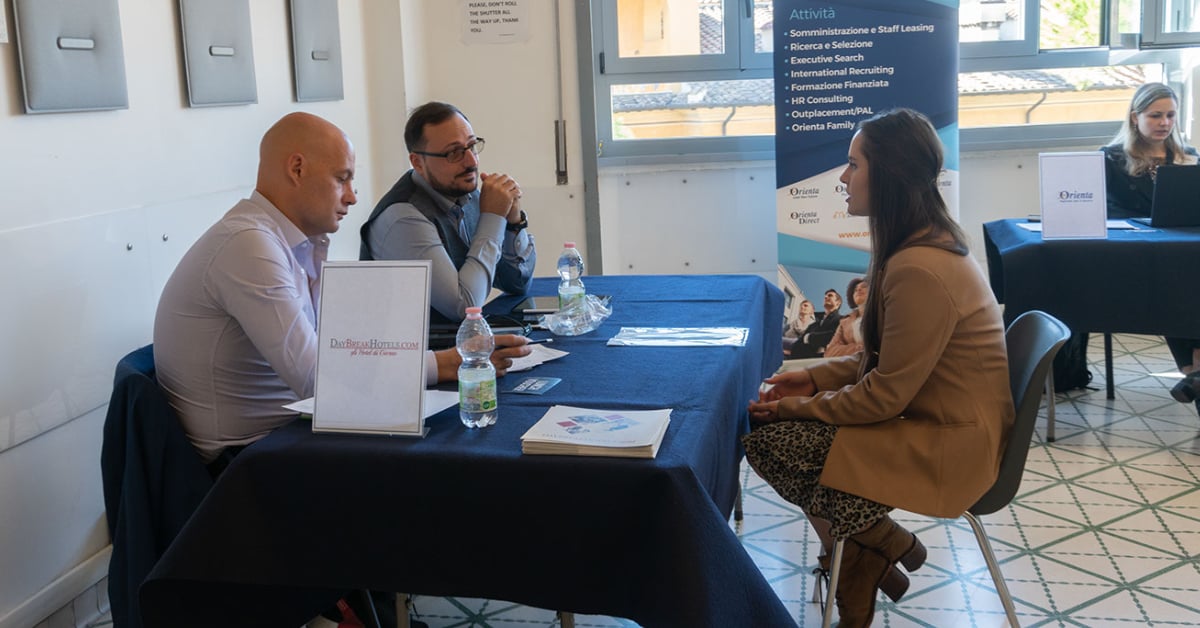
679	337
435	402
1073	195
371	351
571	431
1121	225
538	354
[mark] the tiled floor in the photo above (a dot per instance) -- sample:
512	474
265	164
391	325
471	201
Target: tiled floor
1105	530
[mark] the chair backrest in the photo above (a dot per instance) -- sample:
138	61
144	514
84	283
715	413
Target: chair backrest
1032	341
153	480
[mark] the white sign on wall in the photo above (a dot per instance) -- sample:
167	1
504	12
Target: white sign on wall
495	21
1073	195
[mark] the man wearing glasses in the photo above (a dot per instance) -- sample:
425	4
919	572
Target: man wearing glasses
468	223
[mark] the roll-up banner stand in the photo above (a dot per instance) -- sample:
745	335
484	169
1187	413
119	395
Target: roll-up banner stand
836	64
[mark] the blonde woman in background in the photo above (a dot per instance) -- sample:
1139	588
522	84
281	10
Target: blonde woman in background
1149	138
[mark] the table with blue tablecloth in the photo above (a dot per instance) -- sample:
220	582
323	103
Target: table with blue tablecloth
299	518
1133	281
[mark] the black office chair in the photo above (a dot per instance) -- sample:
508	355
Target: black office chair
153	480
1032	341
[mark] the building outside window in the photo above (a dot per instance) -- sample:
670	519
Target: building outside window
695	76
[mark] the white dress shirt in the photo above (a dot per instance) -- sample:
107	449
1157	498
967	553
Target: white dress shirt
235	333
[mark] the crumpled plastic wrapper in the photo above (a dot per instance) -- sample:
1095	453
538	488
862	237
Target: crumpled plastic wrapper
579	317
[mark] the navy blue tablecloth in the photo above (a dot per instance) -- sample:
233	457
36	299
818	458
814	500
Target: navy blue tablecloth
299	517
1137	282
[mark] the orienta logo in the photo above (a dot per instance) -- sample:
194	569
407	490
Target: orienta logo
1069	196
798	192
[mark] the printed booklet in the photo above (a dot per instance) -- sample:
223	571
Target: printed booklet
568	431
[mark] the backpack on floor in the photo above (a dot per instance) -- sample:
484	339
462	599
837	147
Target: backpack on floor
1070	365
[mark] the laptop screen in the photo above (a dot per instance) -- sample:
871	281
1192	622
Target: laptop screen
1176	201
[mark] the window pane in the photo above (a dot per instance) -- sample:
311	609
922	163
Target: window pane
1181	16
1069	24
764	25
991	20
1129	16
693	109
663	28
1058	96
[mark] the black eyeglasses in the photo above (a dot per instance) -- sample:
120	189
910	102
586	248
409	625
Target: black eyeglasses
456	155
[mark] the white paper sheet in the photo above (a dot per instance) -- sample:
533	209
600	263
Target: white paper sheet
679	337
1123	225
435	402
540	354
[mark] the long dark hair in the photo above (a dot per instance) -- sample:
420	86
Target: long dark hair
904	159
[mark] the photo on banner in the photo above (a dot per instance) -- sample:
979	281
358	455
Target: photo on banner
836	65
804	305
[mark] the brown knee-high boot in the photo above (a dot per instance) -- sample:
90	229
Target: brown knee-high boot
894	584
862	569
893	542
869	558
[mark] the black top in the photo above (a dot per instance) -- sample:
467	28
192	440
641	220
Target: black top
1129	196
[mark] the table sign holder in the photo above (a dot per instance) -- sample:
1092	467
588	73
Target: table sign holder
371	352
1073	195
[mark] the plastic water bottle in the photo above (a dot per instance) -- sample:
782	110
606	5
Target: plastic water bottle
476	376
570	271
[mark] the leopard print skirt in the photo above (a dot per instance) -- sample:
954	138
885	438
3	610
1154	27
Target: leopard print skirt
790	455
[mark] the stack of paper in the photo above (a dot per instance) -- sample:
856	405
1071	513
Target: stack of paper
569	431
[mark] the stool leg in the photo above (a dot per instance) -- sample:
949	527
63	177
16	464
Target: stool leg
566	620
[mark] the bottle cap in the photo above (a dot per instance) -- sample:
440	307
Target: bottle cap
568	245
474	312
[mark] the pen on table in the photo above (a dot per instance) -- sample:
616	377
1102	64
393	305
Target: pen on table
540	340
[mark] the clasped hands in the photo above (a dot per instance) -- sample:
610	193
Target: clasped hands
790	384
500	194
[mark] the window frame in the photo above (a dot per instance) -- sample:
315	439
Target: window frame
1015	48
1154	36
740	62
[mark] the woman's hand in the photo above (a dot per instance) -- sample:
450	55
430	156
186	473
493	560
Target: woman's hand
790	384
764	411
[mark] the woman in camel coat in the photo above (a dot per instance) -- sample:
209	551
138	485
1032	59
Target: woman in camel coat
917	420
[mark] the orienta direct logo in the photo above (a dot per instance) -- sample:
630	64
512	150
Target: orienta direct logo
373	346
1070	196
805	218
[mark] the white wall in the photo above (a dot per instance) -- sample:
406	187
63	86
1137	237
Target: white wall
721	219
87	201
510	92
98	207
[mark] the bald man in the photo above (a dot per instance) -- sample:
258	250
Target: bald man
235	334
